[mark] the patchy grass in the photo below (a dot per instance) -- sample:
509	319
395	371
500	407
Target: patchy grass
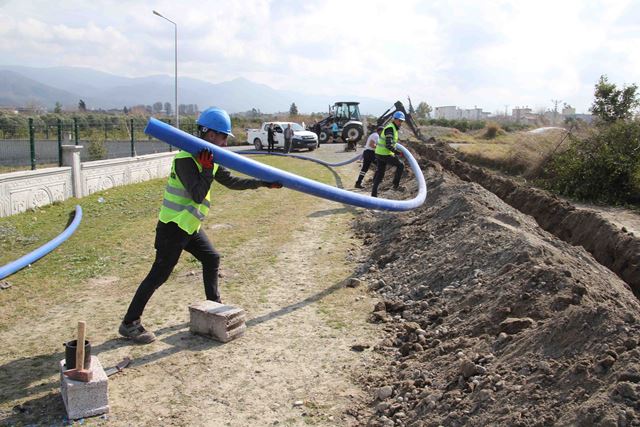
116	236
514	153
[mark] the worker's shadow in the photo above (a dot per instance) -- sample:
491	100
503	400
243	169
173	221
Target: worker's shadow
296	306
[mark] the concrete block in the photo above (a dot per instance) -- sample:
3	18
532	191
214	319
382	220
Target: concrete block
85	399
218	321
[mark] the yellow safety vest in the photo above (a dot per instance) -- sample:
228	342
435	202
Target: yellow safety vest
178	206
381	146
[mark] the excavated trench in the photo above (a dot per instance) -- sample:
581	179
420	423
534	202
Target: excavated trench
494	311
613	247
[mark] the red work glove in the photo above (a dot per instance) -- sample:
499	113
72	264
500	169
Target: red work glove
273	185
205	158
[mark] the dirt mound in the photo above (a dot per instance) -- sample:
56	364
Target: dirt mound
492	320
613	246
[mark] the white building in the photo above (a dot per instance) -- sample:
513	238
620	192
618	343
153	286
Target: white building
451	112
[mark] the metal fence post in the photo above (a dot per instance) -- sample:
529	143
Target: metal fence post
170	146
59	142
133	148
75	129
32	144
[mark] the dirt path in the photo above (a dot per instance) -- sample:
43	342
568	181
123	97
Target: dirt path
297	348
621	217
294	366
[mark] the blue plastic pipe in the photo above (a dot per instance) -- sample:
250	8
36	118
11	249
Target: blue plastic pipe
231	160
31	257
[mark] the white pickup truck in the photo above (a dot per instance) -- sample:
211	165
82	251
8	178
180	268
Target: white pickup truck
301	138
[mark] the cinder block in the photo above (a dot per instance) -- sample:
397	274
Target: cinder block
85	399
218	321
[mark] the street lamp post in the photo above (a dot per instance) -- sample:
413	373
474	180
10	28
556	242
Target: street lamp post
176	66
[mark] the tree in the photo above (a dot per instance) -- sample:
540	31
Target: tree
157	107
167	108
82	106
611	104
125	110
293	110
58	108
424	110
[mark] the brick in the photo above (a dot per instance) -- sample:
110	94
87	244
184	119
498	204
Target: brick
85	399
218	321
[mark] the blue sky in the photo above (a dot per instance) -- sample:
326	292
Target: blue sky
493	54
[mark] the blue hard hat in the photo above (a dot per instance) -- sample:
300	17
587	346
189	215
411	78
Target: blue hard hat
215	119
399	115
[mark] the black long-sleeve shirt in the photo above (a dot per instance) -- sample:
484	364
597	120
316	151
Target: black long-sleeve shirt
198	183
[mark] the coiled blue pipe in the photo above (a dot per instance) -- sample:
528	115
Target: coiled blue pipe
258	170
35	255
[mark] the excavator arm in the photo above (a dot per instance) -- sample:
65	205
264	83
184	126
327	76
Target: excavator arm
398	106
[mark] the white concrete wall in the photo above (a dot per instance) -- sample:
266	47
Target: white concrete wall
20	191
104	174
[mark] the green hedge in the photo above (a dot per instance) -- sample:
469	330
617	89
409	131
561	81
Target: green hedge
602	167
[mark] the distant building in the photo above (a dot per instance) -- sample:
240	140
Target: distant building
473	114
524	115
451	112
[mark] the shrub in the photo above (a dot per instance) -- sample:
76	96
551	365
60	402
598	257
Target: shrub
602	167
97	149
492	130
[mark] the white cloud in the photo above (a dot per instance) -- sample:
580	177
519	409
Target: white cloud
490	54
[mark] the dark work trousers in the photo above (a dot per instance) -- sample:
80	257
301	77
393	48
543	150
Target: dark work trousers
382	162
171	240
271	145
368	157
288	145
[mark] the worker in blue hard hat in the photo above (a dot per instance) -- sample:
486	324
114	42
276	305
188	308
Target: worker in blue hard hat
186	203
387	154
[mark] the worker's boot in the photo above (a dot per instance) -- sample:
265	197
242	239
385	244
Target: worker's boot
136	332
359	184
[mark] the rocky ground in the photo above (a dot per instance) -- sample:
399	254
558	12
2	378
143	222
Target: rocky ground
490	319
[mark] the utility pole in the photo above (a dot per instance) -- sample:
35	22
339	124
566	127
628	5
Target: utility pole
505	111
175	57
555	109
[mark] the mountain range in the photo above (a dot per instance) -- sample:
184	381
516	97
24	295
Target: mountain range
21	86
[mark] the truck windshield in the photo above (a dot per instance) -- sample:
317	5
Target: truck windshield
294	126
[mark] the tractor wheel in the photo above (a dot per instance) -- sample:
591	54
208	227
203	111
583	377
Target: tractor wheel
323	137
353	133
258	144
